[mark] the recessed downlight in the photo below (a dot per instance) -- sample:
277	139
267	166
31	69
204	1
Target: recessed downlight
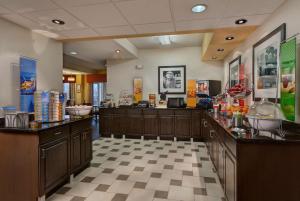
229	38
214	58
59	22
199	8
241	21
221	50
73	53
118	51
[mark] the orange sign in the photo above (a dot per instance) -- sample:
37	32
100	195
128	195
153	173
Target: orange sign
191	93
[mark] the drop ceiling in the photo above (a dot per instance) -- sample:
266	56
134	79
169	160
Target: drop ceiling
102	18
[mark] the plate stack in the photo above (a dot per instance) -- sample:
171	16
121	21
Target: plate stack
41	106
54	106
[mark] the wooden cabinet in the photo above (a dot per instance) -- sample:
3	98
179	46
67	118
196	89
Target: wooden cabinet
53	164
150	123
221	163
135	123
87	149
166	124
76	151
105	124
196	125
183	124
230	177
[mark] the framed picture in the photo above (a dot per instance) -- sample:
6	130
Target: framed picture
234	71
172	79
266	65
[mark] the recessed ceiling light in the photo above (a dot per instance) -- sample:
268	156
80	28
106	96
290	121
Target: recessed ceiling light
220	50
199	8
118	51
241	21
59	22
214	58
229	38
73	53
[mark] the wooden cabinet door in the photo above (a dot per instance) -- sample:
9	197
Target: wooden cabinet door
150	125
183	126
87	150
53	164
105	125
196	124
166	126
221	162
115	124
75	151
230	177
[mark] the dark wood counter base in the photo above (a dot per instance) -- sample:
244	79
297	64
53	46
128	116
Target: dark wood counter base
35	164
249	168
166	124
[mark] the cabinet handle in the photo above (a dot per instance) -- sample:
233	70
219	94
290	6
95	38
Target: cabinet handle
211	133
205	124
58	133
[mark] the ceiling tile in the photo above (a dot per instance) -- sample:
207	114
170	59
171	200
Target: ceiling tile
252	20
100	15
78	33
22	21
4	11
155	28
145	11
73	3
22	6
113	31
196	25
253	7
182	9
44	18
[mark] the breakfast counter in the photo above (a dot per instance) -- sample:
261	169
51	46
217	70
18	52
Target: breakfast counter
34	162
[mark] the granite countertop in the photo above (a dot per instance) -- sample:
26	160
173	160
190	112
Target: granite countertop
291	135
45	126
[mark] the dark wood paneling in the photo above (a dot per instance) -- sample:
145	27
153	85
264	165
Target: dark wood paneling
151	125
18	167
54	164
76	151
230	177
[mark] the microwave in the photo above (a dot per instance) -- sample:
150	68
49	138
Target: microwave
176	103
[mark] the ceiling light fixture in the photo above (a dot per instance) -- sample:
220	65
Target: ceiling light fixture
59	22
199	8
73	53
164	40
220	50
214	58
229	38
118	51
241	21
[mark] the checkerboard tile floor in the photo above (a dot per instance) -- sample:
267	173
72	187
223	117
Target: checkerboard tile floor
145	170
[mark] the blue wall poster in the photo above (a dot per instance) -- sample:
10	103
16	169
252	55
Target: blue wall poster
27	84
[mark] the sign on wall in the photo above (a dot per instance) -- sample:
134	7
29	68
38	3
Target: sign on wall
27	84
288	78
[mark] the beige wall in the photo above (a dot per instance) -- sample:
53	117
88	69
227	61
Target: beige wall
120	74
288	13
16	41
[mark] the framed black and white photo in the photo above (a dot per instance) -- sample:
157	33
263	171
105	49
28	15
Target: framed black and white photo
266	65
171	79
234	71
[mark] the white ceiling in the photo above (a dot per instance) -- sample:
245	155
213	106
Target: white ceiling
85	18
97	51
188	40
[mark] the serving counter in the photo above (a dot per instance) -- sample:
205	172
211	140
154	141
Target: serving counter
250	168
35	162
